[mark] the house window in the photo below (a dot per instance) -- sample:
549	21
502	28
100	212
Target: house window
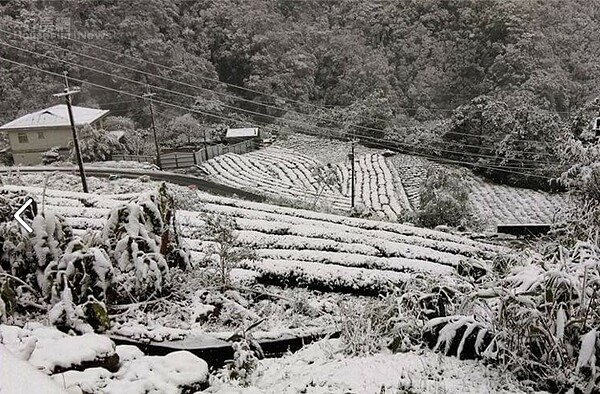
41	135
23	138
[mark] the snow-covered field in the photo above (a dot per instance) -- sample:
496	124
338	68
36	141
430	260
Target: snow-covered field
321	368
316	250
276	173
398	179
308	264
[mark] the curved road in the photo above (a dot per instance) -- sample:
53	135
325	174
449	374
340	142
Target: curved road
179	179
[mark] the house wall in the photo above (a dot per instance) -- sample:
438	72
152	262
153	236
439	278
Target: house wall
30	152
39	140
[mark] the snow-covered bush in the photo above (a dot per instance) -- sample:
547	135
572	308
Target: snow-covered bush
365	329
244	362
15	254
87	271
97	145
143	242
52	265
541	320
51	156
548	313
224	253
246	355
444	198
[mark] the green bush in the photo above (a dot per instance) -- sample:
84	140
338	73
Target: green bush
444	198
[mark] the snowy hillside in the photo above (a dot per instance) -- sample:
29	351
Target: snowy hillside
388	290
396	181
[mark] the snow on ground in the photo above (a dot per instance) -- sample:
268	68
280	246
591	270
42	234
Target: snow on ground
50	350
19	377
389	186
39	359
113	164
322	368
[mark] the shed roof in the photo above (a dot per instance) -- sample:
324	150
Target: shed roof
240	133
55	116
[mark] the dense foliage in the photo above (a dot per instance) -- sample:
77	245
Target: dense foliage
74	278
349	67
444	198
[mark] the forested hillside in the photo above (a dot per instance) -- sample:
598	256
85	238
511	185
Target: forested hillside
377	69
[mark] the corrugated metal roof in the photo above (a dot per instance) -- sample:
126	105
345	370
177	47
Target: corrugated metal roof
55	117
240	133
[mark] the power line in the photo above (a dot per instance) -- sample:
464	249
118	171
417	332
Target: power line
390	144
236	108
395	144
216	81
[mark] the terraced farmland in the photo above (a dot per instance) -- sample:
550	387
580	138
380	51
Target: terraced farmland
276	173
376	186
493	204
300	247
279	172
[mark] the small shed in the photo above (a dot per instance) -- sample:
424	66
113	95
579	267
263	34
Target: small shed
238	135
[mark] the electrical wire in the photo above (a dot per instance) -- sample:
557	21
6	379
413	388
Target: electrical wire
203	88
478	165
239	109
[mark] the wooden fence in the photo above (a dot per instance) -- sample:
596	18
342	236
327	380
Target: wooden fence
182	159
216	150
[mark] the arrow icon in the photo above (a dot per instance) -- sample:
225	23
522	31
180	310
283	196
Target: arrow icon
20	219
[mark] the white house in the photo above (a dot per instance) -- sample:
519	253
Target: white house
33	134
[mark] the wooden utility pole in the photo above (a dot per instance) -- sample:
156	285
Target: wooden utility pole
149	96
67	95
351	157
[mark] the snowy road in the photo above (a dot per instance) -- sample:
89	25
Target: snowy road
179	179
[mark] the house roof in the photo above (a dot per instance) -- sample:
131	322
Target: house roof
239	133
55	116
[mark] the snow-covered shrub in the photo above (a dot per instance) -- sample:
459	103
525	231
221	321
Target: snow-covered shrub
135	250
143	241
547	313
51	156
50	237
224	254
246	354
365	329
86	270
444	198
52	265
16	254
540	320
96	144
65	315
27	256
244	362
